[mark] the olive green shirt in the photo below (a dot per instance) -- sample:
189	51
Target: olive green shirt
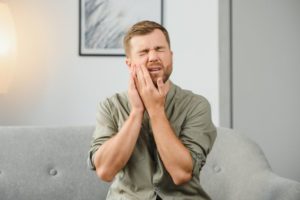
144	176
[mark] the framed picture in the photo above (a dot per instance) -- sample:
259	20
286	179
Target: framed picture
103	23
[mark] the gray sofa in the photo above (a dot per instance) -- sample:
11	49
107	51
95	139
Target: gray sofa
49	163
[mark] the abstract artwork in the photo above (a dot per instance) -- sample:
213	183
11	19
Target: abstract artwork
103	23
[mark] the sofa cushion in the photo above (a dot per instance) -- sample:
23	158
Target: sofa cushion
47	163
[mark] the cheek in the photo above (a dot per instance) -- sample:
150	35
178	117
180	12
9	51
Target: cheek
168	61
167	57
140	62
168	66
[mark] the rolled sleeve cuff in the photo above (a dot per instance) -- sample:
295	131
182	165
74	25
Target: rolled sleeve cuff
90	160
199	160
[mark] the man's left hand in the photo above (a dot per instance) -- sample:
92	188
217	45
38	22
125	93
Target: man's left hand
153	98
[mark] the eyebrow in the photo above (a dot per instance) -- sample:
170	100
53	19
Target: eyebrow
155	48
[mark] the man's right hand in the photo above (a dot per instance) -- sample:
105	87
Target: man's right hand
135	100
113	154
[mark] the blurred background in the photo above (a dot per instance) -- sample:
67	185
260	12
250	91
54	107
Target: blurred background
242	55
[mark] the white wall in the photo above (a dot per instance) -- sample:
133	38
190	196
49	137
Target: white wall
266	84
55	86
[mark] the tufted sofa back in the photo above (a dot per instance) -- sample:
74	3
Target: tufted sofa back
47	163
50	163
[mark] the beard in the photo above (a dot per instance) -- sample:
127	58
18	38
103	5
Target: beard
165	73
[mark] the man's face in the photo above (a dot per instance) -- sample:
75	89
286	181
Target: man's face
152	51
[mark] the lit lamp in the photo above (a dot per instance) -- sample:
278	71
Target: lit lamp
7	47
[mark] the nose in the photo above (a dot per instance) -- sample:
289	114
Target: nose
153	57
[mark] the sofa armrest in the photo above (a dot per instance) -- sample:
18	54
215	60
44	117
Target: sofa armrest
237	168
281	188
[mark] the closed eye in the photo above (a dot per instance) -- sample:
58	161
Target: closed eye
160	49
143	52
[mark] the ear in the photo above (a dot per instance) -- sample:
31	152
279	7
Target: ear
128	63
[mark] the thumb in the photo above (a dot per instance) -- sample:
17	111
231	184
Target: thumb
160	85
131	81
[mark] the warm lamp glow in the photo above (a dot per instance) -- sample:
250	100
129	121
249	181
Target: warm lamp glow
7	47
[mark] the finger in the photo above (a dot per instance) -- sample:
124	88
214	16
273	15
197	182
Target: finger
133	70
160	86
131	81
135	78
140	76
147	76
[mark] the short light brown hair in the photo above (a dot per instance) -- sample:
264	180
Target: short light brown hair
143	28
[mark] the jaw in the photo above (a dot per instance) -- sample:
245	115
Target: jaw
155	78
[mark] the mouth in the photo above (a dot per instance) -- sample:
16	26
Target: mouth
154	69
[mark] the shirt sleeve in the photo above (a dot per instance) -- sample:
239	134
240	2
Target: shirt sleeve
105	128
198	133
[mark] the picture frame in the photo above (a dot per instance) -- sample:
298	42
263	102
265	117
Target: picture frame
103	23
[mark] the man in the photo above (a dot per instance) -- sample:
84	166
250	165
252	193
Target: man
152	140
